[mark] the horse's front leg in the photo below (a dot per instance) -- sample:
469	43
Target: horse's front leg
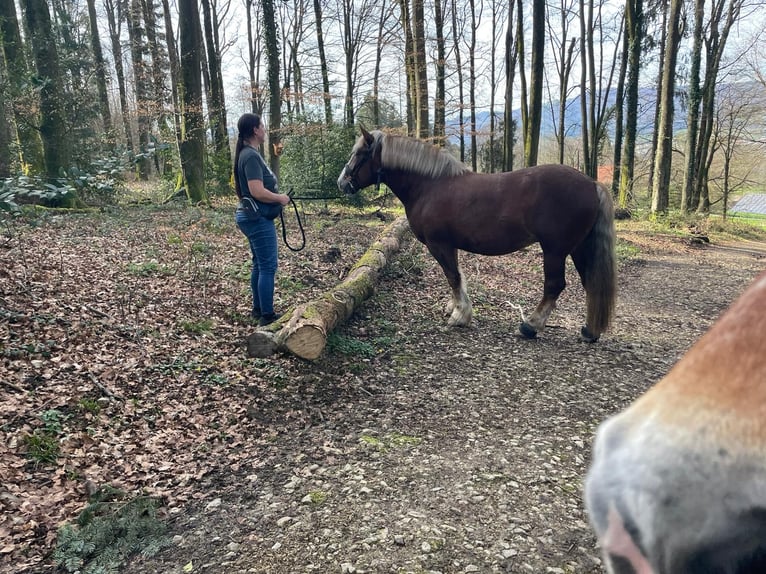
553	268
459	307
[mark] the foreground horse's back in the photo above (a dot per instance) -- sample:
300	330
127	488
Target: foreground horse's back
678	480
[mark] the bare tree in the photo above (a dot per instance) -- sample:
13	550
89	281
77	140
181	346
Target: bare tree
725	14
326	97
192	148
100	71
22	99
511	52
52	125
663	157
456	36
563	50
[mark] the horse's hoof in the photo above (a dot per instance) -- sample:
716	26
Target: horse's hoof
526	330
587	336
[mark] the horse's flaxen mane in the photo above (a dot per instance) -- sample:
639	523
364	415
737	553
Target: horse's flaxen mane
417	156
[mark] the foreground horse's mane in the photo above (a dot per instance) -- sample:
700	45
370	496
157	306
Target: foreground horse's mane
419	157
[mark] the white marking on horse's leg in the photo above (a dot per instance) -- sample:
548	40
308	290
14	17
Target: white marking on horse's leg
618	542
539	316
462	311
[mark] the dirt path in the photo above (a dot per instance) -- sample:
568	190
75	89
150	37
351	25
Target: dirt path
454	450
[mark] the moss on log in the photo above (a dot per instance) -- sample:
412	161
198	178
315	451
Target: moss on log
303	332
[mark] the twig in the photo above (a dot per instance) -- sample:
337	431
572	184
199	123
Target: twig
103	389
14	387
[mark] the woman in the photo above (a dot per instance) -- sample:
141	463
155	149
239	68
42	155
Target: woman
253	180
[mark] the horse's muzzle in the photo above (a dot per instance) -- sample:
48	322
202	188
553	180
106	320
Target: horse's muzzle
345	184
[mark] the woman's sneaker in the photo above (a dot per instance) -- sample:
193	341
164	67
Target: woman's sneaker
268	319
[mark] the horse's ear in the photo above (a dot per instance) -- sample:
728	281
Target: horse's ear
368	137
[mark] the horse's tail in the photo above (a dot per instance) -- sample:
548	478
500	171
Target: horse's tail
600	272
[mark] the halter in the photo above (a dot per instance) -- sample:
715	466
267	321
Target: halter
368	154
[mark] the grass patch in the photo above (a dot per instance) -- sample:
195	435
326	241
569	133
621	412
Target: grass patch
148	269
42	447
390	441
199	327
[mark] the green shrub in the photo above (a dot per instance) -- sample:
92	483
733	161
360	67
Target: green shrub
109	531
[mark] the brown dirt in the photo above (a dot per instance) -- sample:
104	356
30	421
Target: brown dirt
409	447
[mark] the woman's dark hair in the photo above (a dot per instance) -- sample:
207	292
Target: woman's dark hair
245	126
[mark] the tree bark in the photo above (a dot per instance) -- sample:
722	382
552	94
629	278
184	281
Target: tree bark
114	19
532	140
142	85
304	331
275	99
98	58
7	128
52	125
663	157
510	67
20	95
421	69
323	64
440	121
459	69
192	147
693	119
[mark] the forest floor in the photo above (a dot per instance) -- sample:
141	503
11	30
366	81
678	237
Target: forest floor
408	447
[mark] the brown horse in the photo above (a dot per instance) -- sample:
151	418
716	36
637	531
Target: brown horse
678	480
450	207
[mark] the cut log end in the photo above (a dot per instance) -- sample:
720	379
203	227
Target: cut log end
306	341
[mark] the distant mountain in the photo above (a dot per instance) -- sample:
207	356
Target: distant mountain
573	127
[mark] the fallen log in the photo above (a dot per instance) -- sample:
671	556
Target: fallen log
303	332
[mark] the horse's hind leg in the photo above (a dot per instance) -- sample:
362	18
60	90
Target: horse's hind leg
459	307
553	266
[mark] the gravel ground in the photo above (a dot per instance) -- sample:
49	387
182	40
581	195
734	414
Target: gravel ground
450	450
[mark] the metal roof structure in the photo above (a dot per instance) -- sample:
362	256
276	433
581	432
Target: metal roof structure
752	203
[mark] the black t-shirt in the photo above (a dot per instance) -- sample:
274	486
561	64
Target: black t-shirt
252	166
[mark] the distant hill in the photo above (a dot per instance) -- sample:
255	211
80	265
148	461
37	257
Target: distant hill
646	107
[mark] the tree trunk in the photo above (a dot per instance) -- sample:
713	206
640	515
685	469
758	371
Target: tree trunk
692	121
323	64
175	72
663	158
510	67
520	57
216	105
114	19
141	82
304	331
472	85
98	58
52	125
7	127
275	100
440	121
532	142
634	20
619	115
459	69
658	97
423	126
409	67
192	148
584	34
20	96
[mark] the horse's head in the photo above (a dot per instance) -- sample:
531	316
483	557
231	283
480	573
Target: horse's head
363	167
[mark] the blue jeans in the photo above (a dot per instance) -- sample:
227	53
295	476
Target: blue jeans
262	235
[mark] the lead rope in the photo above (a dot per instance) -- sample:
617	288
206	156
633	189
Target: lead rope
300	226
